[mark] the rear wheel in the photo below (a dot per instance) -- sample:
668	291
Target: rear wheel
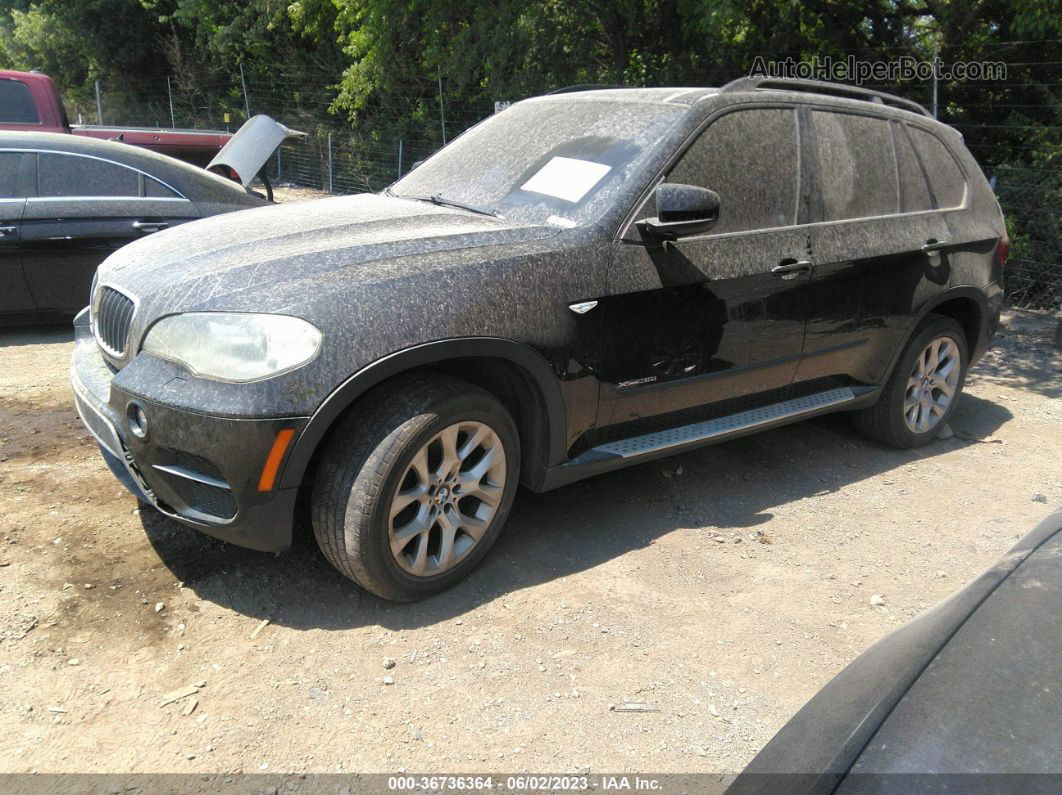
415	485
922	392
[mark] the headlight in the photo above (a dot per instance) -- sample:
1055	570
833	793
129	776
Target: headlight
232	346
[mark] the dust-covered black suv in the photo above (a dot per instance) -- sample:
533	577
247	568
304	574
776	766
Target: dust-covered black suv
584	281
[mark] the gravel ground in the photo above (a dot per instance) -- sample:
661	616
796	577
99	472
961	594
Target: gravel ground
286	192
722	588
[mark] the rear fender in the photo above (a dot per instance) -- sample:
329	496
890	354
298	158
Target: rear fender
989	310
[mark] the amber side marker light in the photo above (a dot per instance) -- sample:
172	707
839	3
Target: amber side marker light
276	455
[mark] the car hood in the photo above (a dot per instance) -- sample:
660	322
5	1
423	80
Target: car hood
248	150
236	261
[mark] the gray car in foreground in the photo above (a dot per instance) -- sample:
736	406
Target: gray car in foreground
68	202
967	697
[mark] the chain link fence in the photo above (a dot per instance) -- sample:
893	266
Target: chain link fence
1031	199
1022	157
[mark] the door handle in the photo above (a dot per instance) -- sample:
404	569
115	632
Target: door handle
147	227
934	245
791	266
5	231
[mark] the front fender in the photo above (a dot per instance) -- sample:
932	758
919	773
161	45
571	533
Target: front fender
419	356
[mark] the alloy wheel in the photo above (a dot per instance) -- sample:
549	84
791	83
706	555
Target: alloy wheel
932	384
447	499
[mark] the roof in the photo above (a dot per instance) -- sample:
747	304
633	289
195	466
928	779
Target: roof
169	169
76	144
782	89
10	74
676	95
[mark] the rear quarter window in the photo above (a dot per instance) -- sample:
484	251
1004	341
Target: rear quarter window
855	165
16	103
945	176
156	190
61	175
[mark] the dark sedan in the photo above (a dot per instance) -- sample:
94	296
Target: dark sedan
967	697
66	203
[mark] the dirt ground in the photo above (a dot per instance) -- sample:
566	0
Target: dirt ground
288	192
722	588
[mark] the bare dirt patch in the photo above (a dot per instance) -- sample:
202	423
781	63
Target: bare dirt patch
722	587
285	193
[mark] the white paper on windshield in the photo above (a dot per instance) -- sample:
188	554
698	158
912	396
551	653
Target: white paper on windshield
566	178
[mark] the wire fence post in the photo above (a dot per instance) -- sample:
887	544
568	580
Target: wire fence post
99	103
246	99
442	116
169	91
936	63
330	162
399	158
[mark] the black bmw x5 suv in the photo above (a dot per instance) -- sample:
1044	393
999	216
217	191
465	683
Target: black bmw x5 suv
584	281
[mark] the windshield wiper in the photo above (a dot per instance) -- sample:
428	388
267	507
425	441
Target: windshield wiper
441	201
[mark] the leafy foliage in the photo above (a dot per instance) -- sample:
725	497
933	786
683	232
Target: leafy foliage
376	67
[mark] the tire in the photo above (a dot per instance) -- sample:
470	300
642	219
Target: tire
890	419
373	463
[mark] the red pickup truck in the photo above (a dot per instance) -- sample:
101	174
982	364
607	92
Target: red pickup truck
29	102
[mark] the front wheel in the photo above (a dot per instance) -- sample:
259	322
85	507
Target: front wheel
415	485
922	392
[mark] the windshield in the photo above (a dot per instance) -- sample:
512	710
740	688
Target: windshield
561	163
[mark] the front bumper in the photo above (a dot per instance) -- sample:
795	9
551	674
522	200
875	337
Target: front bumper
202	470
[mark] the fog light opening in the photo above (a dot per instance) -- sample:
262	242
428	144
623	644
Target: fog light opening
138	421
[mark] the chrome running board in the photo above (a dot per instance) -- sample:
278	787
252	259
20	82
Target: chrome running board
705	431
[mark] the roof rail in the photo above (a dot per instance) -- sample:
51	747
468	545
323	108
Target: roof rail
822	87
583	87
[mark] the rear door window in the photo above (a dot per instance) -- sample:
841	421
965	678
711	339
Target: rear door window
751	159
60	175
9	175
17	174
914	193
945	176
16	103
855	164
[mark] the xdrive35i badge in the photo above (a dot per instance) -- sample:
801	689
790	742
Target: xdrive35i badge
647	380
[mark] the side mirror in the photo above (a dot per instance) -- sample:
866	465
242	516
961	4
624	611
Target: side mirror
683	210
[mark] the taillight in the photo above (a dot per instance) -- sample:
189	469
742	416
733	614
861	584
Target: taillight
1002	249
